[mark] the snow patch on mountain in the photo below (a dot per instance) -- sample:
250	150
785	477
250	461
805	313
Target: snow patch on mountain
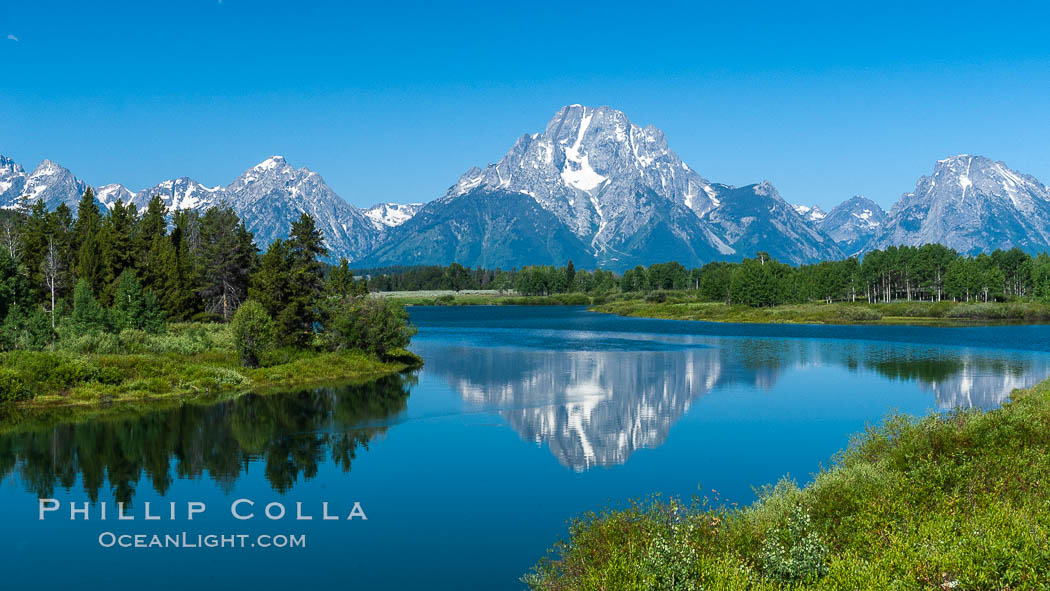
391	215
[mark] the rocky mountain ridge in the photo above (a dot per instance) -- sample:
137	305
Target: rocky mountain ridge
601	190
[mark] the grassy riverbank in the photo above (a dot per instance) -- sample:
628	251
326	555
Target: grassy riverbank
945	502
187	360
486	298
685	306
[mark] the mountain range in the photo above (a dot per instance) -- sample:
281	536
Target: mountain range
600	190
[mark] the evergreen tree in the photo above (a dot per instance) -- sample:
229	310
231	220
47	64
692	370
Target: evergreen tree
26	328
456	277
305	245
183	302
341	283
271	284
228	257
117	245
88	316
14	285
135	307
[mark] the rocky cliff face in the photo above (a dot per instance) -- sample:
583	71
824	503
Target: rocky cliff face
628	198
972	204
853	224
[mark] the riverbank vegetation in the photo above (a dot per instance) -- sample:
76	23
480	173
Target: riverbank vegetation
955	501
931	273
688	306
116	305
913	285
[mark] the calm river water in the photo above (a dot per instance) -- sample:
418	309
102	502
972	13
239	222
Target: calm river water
468	469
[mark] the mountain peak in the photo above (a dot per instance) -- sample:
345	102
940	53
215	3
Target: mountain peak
271	163
972	203
811	213
48	167
9	167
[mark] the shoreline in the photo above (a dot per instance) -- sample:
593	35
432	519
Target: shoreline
941	501
158	378
684	305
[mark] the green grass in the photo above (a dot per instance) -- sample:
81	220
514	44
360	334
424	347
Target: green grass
490	299
189	360
954	501
685	306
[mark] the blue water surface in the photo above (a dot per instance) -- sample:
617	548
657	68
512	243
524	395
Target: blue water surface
468	469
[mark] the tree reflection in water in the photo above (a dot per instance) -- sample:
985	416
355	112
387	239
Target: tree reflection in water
291	433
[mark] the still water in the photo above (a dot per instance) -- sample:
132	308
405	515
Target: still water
468	469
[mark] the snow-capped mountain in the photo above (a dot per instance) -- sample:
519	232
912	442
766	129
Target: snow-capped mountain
268	196
109	194
853	224
272	194
12	182
756	218
390	215
972	204
811	213
618	188
599	190
48	182
181	193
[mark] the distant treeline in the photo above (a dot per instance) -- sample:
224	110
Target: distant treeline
930	272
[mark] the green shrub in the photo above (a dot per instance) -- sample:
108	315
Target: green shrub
444	300
253	332
13	387
133	340
368	324
857	313
656	296
73	372
796	555
98	343
110	376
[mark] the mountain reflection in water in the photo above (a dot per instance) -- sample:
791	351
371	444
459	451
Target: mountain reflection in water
595	404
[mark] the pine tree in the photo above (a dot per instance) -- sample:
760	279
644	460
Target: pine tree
340	281
117	241
135	307
88	316
228	257
184	301
305	246
271	286
88	224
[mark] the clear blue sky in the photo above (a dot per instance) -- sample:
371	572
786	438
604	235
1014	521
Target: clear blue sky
392	102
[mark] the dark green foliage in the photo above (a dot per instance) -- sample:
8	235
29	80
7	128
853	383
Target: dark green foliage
26	328
290	283
88	316
253	332
14	284
227	255
368	324
118	240
341	282
134	307
132	450
13	387
456	277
